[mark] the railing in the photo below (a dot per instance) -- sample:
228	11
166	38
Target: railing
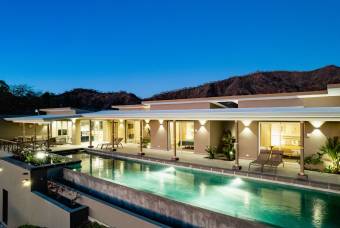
15	147
10	146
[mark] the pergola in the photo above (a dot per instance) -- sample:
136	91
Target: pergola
40	120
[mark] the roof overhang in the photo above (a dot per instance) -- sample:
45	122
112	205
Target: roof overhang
41	119
263	114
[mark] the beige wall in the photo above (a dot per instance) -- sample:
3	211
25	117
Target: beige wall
76	132
315	138
112	216
321	102
201	137
248	140
10	130
270	103
159	135
25	207
201	105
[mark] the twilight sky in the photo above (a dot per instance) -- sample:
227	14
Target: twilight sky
146	47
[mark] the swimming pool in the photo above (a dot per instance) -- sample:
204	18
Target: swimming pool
247	199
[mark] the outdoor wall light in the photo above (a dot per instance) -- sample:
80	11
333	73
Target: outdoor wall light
161	122
147	121
26	182
317	124
203	122
246	122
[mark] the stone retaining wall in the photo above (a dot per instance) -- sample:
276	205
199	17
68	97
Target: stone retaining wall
167	211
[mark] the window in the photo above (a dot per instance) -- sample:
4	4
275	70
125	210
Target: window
4	206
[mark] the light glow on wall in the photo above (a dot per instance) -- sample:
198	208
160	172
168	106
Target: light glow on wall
161	122
26	183
317	124
202	122
246	123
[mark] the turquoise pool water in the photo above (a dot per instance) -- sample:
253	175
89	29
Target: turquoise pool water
265	202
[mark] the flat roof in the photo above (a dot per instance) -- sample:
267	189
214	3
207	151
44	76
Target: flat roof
266	114
41	118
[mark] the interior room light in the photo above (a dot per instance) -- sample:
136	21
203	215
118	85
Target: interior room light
246	122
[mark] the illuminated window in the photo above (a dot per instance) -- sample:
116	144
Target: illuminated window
283	136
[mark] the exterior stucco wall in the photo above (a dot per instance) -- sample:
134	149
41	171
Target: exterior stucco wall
248	140
270	103
201	137
315	138
76	132
159	135
200	105
322	102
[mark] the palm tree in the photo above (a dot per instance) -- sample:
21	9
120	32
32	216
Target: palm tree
332	150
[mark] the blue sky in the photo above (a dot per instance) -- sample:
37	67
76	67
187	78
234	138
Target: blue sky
146	47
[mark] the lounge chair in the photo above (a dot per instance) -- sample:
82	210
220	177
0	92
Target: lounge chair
261	159
118	142
276	158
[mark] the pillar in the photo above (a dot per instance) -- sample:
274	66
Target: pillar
236	166
175	158
141	138
90	146
302	174
113	136
48	136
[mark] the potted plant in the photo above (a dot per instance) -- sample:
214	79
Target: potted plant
227	144
211	150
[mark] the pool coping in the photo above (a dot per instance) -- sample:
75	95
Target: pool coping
282	180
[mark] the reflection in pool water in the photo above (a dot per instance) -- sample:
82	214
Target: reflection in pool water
265	202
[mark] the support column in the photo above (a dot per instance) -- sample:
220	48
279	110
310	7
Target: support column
35	136
301	174
113	136
90	146
174	158
48	137
236	166
141	126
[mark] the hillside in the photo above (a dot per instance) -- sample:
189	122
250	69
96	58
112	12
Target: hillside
260	83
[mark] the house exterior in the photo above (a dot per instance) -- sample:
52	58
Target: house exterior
297	123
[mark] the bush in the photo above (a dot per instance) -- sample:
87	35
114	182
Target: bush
211	150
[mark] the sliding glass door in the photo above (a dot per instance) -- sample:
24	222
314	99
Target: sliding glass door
285	136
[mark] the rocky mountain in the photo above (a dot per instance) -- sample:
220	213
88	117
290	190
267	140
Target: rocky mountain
21	99
260	83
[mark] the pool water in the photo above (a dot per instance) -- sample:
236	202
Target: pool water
247	199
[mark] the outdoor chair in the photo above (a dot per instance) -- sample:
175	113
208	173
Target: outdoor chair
261	159
276	158
118	142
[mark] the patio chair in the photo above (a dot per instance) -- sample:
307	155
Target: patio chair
276	158
118	142
261	159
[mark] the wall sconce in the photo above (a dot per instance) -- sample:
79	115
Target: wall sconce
246	123
26	182
202	122
161	122
73	121
147	121
317	124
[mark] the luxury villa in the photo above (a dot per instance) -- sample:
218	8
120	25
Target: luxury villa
176	133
